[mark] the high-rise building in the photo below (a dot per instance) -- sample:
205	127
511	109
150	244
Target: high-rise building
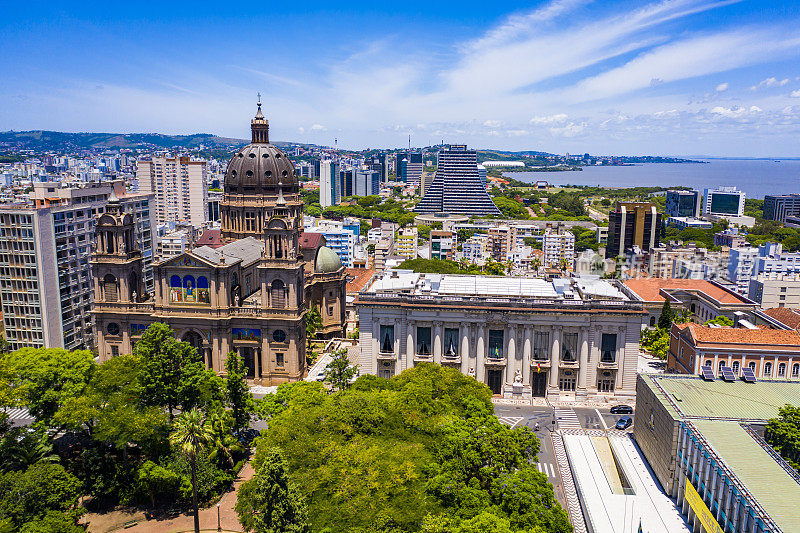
367	182
457	187
683	204
502	242
329	186
558	247
781	206
482	174
347	182
46	281
214	199
632	224
179	186
406	243
724	201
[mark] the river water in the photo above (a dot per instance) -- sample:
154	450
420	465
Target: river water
755	177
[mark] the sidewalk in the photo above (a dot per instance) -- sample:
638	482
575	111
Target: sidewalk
208	517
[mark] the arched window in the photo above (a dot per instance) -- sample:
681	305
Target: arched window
202	290
189	289
752	365
709	363
110	293
652	321
781	370
721	364
796	370
277	290
767	369
110	242
735	367
175	281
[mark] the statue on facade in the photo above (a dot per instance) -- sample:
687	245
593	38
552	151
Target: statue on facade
133	297
518	376
471	372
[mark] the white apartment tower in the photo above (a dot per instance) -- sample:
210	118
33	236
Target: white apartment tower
179	186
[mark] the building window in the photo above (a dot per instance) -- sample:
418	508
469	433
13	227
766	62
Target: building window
112	328
735	367
496	343
387	339
752	365
781	370
451	342
279	335
608	345
566	380
767	369
114	350
568	351
721	364
541	345
279	359
330	310
423	340
796	370
709	364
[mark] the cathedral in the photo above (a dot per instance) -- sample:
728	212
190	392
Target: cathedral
248	291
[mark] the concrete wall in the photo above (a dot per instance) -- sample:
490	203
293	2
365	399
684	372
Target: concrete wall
656	433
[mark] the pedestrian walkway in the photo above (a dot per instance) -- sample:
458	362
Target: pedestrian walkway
573	504
567	419
18	413
548	469
510	420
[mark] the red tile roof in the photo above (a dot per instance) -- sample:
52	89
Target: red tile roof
772	337
211	238
648	289
357	278
785	315
310	241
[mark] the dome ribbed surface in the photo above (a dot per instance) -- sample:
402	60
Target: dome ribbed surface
260	167
327	261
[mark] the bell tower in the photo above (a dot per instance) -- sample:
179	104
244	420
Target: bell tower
116	259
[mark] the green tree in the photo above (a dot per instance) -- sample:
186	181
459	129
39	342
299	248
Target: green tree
190	436
666	316
783	434
171	374
45	378
157	482
21	448
240	399
223	445
339	371
313	322
720	320
269	502
30	494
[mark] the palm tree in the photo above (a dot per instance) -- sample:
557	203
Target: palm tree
223	444
536	263
191	435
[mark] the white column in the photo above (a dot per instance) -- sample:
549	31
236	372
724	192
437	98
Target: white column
621	344
584	358
409	362
526	356
464	348
437	342
511	358
480	357
555	357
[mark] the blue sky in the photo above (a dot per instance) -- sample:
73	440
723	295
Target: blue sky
675	77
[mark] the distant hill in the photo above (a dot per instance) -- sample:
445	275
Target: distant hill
39	140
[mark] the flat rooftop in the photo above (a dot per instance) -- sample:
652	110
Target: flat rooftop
414	283
693	397
771	486
649	289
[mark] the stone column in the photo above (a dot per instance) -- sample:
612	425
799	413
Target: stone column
584	359
376	340
480	356
526	355
396	332
437	342
619	381
555	357
511	358
257	359
409	362
596	338
464	348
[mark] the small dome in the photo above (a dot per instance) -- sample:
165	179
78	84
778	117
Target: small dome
327	261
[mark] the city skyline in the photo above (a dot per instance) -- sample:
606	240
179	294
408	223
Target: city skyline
680	77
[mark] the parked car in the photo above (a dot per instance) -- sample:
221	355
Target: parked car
625	422
622	410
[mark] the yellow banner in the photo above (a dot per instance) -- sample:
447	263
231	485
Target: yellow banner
710	524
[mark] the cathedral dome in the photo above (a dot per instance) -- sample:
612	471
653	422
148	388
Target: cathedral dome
327	261
260	166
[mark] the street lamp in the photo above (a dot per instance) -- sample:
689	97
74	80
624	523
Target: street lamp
219	527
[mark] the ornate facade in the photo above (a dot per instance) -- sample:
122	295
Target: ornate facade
250	295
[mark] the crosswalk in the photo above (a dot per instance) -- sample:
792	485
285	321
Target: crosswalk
548	469
567	419
511	420
18	413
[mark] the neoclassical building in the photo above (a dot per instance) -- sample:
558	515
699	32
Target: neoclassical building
249	294
565	339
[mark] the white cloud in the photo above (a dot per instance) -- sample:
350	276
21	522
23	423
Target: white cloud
550	119
318	127
795	94
493	123
722	87
770	82
570	130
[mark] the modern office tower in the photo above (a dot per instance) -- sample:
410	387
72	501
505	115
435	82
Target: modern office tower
214	199
558	247
379	163
502	242
724	201
741	267
632	224
406	243
443	244
329	186
781	206
347	182
367	182
409	167
482	174
457	187
683	204
45	278
425	182
179	186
